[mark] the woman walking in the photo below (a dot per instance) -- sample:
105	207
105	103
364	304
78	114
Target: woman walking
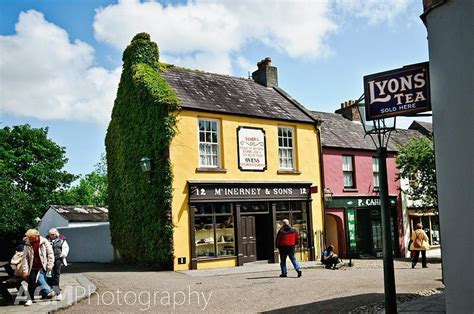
419	243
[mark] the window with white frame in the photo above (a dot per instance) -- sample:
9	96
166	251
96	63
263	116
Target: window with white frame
348	171
209	143
375	170
285	148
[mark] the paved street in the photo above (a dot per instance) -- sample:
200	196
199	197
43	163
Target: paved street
131	289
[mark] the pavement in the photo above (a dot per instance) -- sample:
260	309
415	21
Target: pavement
75	287
251	288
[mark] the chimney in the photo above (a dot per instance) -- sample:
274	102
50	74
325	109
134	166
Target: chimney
349	111
266	74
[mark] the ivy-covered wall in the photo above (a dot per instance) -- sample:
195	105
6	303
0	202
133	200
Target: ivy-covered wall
142	125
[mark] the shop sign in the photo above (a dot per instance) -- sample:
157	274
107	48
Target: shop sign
251	149
351	227
250	191
368	202
399	92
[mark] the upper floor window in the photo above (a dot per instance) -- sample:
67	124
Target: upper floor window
209	149
286	148
375	170
348	171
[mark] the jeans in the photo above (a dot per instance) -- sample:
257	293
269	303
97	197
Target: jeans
41	283
53	282
416	255
290	252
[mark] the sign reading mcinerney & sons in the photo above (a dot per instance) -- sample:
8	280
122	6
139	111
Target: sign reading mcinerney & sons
241	191
397	92
251	149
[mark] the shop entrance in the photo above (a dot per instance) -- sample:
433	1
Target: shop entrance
256	235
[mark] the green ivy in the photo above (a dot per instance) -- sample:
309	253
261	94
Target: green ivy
142	125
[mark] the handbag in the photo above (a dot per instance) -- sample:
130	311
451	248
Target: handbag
17	260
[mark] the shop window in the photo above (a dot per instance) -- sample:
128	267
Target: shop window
214	230
375	171
286	148
430	226
254	208
296	213
348	171
209	148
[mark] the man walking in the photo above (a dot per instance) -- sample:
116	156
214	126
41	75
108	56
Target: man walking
286	240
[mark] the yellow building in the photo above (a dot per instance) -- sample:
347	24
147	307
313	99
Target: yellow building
245	157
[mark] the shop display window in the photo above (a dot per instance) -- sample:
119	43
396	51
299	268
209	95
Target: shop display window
254	208
430	226
296	213
214	230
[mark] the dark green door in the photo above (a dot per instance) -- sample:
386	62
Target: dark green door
364	232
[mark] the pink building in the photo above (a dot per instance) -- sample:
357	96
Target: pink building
350	172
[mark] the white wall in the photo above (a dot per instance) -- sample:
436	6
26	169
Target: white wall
51	219
451	47
89	243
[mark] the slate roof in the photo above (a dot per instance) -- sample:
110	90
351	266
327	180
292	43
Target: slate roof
424	127
339	132
212	92
82	213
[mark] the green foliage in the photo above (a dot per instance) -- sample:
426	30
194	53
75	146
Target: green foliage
416	160
142	125
91	190
30	172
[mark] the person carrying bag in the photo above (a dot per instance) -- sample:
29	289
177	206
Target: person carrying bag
419	244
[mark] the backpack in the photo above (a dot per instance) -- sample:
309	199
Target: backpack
418	241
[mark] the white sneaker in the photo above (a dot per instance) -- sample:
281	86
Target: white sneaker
28	303
59	297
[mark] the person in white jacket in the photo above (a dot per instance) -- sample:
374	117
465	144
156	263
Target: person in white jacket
38	259
61	250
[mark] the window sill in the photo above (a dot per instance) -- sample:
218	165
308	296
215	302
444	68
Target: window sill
288	172
208	258
350	190
222	170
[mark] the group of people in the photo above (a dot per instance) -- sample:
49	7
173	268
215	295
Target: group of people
287	239
38	261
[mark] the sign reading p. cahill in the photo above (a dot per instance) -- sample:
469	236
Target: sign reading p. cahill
397	92
252	149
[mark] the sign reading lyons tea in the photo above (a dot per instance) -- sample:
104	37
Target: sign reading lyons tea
397	92
252	149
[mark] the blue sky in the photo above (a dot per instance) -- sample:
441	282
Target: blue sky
60	61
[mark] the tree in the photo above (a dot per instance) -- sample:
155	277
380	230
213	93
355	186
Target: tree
91	190
416	161
30	173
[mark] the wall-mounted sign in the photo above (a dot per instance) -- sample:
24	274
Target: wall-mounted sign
251	149
200	192
351	229
397	92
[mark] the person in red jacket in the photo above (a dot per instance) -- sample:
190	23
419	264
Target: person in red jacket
286	240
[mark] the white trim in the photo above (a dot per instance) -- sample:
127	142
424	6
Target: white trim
293	147
219	151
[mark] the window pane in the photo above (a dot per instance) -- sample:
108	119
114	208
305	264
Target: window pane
225	236
214	126
254	207
214	137
348	182
202	125
282	206
204	236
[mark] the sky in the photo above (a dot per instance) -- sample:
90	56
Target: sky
60	61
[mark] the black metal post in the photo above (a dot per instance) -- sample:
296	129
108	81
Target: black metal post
388	270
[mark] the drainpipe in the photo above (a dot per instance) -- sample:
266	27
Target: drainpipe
322	184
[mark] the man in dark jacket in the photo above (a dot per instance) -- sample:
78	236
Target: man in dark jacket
61	250
286	240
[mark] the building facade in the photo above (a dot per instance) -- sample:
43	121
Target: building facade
351	177
245	157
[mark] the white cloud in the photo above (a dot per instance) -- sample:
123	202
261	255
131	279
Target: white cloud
373	11
207	34
44	75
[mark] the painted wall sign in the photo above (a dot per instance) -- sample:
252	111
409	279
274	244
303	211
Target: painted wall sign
351	228
397	92
248	191
251	149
